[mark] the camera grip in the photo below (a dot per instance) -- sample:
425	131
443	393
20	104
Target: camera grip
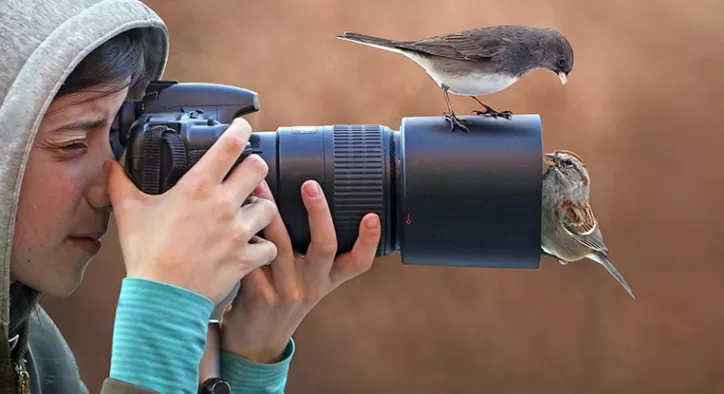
165	158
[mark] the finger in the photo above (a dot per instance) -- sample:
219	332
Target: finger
276	231
121	189
255	216
283	270
218	160
323	246
256	255
266	269
246	177
257	288
360	258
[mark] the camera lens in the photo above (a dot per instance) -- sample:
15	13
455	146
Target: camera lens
354	165
444	198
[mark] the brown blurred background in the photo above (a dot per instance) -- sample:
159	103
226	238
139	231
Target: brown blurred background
642	107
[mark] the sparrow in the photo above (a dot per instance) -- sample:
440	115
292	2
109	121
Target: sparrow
481	61
570	231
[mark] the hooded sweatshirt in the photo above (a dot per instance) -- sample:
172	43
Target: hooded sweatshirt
160	330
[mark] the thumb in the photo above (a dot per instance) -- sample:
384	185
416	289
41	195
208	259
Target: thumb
121	189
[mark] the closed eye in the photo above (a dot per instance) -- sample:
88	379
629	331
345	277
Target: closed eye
74	145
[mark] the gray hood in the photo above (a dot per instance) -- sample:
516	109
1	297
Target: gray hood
41	41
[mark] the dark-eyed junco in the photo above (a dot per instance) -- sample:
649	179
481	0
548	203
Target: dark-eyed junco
481	61
570	231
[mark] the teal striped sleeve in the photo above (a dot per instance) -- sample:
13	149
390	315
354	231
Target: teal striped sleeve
159	336
248	377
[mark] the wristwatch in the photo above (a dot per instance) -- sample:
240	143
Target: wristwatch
215	386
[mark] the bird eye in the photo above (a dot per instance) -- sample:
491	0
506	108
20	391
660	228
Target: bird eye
568	162
562	63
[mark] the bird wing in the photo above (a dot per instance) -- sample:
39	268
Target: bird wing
579	222
467	45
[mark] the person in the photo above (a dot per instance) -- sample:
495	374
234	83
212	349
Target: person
66	68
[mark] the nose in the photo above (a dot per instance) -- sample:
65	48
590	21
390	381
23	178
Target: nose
97	194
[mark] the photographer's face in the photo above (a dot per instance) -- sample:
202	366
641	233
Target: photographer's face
64	206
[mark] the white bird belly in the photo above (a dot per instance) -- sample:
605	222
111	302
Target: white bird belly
475	84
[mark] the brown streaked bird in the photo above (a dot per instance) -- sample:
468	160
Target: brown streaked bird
481	61
570	231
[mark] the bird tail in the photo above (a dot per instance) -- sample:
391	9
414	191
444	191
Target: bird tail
606	263
376	42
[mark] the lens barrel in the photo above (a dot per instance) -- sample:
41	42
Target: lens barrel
444	198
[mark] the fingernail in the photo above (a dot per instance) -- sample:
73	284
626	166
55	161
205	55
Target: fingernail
372	222
107	166
313	189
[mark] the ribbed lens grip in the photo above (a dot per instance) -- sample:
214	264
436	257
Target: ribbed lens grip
359	178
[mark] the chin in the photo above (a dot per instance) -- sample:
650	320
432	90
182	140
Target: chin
65	284
63	290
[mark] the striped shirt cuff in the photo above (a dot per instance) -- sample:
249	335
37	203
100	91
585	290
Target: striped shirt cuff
248	377
159	336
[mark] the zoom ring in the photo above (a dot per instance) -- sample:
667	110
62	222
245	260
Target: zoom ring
358	178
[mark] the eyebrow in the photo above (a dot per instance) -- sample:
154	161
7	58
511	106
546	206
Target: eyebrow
84	125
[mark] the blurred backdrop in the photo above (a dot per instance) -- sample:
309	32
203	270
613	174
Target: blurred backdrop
641	107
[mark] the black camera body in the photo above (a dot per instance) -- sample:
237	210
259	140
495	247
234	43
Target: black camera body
444	198
174	125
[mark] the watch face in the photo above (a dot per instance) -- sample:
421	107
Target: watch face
215	386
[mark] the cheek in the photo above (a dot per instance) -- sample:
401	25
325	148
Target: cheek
49	199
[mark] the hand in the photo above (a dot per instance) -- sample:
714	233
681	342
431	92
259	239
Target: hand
197	235
274	299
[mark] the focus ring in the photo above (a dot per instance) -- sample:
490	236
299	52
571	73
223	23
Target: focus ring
358	178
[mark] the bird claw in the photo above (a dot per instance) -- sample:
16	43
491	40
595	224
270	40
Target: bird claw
493	113
455	122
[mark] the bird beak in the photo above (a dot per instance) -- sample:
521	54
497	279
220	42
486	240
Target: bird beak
563	77
549	159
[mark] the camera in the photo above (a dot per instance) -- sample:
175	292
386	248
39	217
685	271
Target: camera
445	198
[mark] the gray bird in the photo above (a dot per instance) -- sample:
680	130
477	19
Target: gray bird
570	231
481	61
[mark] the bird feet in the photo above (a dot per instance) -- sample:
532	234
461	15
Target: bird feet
455	121
493	113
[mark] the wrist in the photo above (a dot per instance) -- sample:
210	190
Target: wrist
156	275
259	355
171	278
264	352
